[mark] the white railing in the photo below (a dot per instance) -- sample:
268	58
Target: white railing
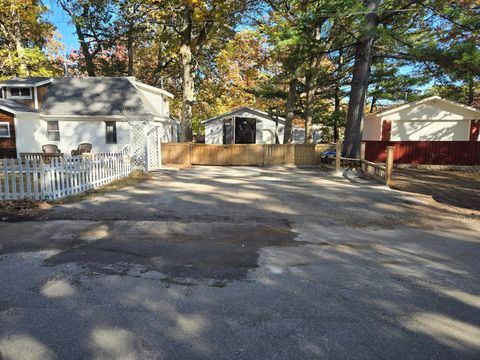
60	177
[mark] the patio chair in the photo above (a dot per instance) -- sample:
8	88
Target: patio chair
50	149
82	149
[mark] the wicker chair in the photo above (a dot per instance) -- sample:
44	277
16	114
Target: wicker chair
82	149
50	149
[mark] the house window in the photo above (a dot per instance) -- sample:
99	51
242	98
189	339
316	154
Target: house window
4	130
20	93
53	132
111	132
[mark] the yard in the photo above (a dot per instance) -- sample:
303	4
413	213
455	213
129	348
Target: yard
457	188
243	262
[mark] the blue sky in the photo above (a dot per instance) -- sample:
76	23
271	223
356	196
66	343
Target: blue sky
61	20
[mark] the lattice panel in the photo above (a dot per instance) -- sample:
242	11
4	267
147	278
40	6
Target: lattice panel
153	144
137	145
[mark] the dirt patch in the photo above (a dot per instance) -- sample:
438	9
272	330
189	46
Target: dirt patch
454	188
443	199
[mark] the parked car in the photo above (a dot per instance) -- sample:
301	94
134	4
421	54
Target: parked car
329	156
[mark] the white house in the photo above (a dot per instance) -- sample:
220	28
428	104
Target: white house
250	126
72	110
430	119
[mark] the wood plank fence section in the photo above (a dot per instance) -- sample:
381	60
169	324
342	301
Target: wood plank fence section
242	154
58	177
426	152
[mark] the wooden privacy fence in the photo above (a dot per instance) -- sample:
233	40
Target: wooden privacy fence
242	154
426	152
58	178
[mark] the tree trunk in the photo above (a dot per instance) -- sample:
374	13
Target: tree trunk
471	91
372	105
361	75
187	76
22	66
310	87
292	99
131	54
337	110
85	51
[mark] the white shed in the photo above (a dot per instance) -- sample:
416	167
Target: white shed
244	126
430	119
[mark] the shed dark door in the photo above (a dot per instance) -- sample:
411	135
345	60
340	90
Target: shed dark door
8	147
245	129
228	131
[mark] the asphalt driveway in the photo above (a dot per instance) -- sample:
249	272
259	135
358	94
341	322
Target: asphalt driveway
225	263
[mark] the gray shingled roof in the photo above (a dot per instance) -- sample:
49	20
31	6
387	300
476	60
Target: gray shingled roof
94	96
16	106
26	81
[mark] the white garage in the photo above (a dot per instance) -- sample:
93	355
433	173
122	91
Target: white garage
430	119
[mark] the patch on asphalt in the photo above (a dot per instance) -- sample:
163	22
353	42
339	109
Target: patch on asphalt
178	253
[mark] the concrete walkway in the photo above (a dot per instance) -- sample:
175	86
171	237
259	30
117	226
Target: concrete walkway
241	263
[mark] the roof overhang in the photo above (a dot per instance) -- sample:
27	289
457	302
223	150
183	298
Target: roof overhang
17	109
119	117
23	85
16	112
152	89
83	117
244	108
420	102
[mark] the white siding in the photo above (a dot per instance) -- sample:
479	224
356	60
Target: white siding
214	132
159	102
265	129
433	110
268	132
32	134
168	131
430	130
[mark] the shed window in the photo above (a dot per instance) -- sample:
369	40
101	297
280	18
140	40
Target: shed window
20	93
111	132
53	132
4	129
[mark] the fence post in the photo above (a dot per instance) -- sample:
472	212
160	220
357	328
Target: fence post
190	151
338	156
42	180
159	142
388	179
362	155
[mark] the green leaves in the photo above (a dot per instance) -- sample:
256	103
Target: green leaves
23	35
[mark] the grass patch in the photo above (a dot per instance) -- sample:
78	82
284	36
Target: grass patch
27	209
136	177
20	209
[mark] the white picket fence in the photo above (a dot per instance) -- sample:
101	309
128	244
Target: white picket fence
58	178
